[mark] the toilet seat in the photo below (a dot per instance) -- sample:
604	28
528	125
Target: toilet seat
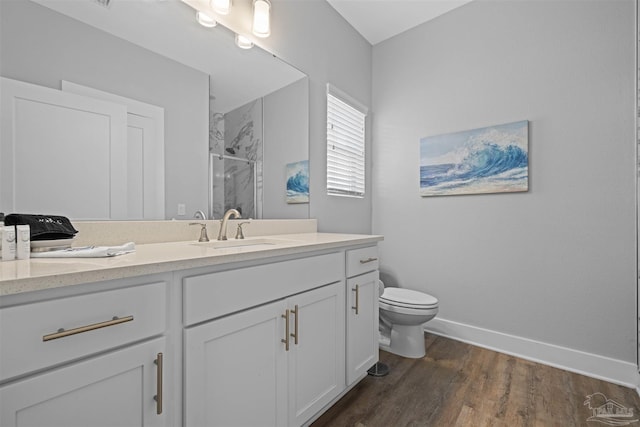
407	298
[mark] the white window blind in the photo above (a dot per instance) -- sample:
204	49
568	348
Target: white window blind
345	145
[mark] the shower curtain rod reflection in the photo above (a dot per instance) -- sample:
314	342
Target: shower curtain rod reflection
239	159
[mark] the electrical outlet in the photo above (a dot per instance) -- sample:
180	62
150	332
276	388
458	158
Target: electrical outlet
182	209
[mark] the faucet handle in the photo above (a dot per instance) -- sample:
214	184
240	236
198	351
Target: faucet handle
239	233
203	231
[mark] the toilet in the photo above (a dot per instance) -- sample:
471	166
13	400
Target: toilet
402	314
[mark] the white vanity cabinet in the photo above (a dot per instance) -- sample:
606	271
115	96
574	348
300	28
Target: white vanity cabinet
362	311
274	353
115	389
86	360
250	338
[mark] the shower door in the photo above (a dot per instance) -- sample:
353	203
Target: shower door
234	184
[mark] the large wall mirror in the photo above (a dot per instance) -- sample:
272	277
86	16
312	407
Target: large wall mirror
232	122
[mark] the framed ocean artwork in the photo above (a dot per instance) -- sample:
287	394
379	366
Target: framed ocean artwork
493	159
298	182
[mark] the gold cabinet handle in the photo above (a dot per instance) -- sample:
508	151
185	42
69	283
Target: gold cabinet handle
62	333
286	330
295	311
370	259
357	291
158	396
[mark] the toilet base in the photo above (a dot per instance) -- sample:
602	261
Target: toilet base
406	341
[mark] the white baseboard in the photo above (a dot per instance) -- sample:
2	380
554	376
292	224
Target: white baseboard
592	365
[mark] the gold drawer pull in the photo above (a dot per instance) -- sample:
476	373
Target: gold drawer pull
370	259
285	341
295	311
62	333
158	396
357	306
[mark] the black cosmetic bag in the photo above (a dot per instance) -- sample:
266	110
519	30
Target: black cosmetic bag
44	227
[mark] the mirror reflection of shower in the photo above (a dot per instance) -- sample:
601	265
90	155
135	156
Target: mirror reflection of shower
235	160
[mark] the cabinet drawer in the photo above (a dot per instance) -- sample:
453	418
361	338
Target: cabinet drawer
29	338
361	261
216	294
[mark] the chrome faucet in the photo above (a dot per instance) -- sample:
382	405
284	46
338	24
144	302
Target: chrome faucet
222	234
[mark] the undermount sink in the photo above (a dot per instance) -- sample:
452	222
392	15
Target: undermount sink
252	243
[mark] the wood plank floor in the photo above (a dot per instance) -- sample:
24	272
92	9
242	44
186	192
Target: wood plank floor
457	384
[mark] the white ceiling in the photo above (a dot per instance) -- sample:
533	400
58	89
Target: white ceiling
378	20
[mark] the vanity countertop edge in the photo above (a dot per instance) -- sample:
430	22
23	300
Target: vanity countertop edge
36	274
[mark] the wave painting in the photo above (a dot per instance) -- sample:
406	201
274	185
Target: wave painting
298	182
494	159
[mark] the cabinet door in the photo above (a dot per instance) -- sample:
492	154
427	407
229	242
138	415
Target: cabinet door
235	370
115	389
316	361
362	324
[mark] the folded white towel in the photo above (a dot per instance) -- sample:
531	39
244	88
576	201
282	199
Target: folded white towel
88	252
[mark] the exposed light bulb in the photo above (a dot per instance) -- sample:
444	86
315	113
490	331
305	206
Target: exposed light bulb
243	43
261	18
221	6
205	20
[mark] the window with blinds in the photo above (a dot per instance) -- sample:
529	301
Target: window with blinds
345	145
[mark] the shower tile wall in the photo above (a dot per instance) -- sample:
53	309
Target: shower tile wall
216	146
242	138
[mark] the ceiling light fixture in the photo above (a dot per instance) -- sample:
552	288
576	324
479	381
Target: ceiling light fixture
243	42
205	20
261	18
221	6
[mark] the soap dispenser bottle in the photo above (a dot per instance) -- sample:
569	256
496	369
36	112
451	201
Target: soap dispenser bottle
23	241
8	243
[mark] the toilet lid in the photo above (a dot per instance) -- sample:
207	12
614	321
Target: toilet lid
408	297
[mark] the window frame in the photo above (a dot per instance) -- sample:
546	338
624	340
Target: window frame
350	161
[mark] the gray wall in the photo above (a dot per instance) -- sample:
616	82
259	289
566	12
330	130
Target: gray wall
331	52
43	47
286	125
313	37
558	263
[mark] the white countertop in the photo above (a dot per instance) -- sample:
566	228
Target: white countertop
45	273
